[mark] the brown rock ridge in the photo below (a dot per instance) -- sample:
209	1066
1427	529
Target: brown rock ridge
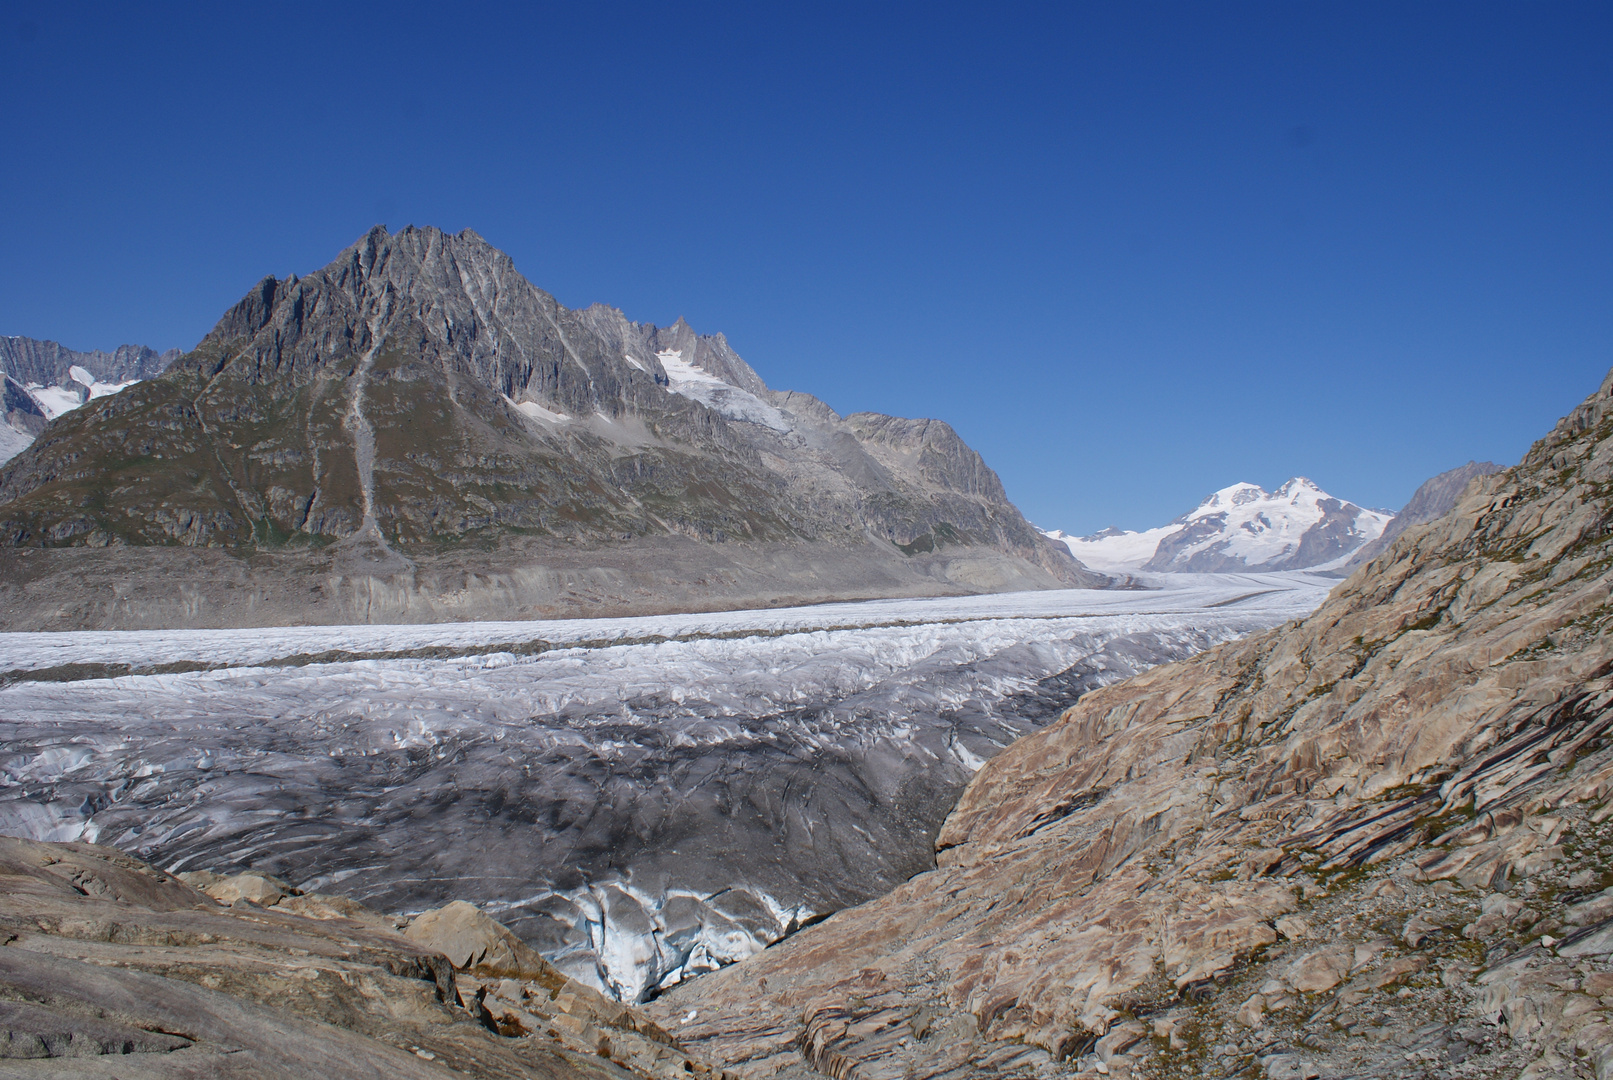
112	968
1371	842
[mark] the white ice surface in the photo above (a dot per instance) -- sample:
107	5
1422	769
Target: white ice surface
56	400
107	389
702	386
1122	553
538	412
1288	594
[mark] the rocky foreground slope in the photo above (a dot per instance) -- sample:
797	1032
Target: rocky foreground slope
1374	842
112	968
417	433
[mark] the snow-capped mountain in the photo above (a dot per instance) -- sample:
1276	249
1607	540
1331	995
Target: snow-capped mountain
1243	527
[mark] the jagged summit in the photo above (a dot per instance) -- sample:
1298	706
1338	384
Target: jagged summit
418	394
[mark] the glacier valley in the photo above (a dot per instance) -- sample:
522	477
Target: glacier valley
642	799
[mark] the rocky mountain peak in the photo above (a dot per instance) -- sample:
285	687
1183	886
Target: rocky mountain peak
1240	527
1234	495
418	391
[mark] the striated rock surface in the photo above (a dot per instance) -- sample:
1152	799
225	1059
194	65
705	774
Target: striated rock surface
112	968
374	441
1372	842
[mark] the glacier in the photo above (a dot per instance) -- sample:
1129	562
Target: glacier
642	799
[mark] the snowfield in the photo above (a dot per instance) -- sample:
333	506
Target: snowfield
641	798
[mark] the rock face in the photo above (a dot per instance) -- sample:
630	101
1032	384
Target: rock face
418	399
1243	527
1372	837
46	363
112	968
1431	501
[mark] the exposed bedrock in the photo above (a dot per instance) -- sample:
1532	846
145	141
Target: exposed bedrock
129	588
1368	842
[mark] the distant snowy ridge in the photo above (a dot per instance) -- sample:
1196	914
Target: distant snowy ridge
1243	527
41	380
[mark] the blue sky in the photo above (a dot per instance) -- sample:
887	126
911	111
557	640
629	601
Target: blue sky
1132	252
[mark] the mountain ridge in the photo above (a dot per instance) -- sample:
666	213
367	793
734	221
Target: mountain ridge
418	394
1432	500
40	380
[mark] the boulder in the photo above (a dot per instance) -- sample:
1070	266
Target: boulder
474	942
1320	970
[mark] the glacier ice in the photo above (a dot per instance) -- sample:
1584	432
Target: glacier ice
642	799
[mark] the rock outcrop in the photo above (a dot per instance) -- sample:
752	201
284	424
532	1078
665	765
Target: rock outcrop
416	418
112	968
1371	841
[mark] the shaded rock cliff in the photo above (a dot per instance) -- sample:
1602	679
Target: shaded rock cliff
1371	842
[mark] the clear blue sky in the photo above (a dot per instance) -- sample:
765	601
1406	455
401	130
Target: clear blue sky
1132	252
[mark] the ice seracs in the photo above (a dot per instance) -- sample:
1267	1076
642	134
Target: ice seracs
1241	527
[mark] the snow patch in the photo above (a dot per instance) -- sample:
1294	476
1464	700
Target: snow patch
56	400
13	442
686	380
537	412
